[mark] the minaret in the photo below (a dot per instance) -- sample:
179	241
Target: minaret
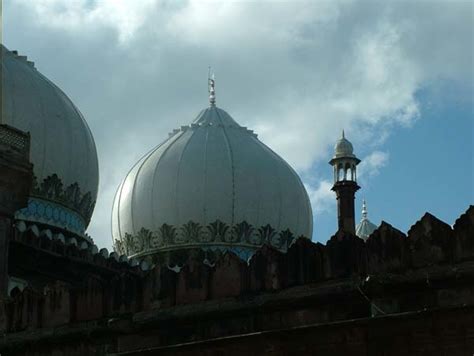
345	183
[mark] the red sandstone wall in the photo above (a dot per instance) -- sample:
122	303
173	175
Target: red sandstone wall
430	242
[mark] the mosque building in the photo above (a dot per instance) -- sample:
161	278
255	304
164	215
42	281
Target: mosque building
212	248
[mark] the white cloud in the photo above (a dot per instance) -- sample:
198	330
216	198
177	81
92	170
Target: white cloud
322	198
124	16
371	165
295	72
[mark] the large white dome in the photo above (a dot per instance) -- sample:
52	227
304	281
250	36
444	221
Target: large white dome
62	147
212	183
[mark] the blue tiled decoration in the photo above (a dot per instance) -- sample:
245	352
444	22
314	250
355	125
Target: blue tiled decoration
53	214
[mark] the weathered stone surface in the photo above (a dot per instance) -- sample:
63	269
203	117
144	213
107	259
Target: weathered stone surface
24	312
229	277
306	262
387	250
310	283
464	236
267	270
346	255
439	332
88	302
193	281
57	308
430	242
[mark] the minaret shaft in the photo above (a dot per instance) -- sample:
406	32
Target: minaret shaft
345	194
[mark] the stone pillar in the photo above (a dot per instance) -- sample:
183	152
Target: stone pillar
16	174
345	193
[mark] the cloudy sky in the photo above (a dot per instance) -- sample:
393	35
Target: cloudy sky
397	76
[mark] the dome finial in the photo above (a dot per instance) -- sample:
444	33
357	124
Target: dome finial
211	87
343	136
365	228
364	210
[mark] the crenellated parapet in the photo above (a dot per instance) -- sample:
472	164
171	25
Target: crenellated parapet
420	266
387	251
430	241
464	231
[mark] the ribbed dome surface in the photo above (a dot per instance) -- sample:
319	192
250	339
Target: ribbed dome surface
213	170
62	147
365	228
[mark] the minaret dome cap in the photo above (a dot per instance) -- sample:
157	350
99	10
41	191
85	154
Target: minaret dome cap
343	147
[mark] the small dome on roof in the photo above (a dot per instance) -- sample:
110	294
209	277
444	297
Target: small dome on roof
365	228
343	148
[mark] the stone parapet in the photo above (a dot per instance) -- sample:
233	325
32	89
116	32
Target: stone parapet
388	275
16	174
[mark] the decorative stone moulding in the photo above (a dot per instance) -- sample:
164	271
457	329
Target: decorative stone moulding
52	188
53	204
241	238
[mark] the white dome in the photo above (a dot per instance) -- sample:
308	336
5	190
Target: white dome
365	228
210	183
62	147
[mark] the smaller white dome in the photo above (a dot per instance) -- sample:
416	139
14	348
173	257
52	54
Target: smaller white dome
365	228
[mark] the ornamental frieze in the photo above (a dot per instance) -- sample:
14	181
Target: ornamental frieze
193	234
52	188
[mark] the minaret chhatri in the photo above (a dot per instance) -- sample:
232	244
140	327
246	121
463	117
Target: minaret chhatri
345	183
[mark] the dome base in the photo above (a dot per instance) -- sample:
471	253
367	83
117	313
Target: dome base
243	238
52	214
